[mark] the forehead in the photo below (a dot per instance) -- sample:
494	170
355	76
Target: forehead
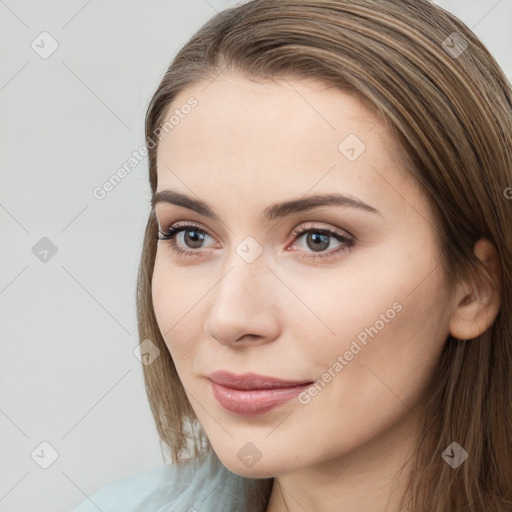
233	108
293	135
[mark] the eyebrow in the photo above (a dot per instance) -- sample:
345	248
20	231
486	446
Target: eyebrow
274	211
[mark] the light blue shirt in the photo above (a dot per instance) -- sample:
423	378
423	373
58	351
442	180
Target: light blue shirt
203	484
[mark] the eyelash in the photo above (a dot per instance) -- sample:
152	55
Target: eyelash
170	233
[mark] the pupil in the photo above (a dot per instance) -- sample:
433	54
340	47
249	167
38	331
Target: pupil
322	239
196	239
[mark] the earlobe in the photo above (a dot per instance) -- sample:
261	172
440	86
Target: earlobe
477	300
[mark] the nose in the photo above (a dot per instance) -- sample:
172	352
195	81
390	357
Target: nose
243	306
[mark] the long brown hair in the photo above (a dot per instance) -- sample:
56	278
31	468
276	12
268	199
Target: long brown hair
442	94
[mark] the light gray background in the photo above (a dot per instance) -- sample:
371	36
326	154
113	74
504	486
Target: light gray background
68	375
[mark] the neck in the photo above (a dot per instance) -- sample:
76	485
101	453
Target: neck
371	477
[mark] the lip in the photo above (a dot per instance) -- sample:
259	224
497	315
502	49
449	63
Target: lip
251	394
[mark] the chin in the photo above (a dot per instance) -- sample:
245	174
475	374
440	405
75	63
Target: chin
262	468
258	471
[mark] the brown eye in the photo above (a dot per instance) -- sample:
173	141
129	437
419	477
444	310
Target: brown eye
318	240
193	239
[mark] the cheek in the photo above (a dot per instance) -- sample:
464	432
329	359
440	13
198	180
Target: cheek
161	289
173	298
378	381
174	292
389	315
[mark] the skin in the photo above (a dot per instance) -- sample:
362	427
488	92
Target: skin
252	143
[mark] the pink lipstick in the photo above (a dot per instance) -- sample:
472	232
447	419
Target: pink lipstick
250	394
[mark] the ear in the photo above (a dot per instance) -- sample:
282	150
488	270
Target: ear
477	301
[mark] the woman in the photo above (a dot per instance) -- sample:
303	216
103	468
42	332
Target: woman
326	265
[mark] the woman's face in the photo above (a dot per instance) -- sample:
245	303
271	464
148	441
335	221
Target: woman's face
355	304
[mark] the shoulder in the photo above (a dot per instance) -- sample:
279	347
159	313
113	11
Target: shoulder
200	484
123	494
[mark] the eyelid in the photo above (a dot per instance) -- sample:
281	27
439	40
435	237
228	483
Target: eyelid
302	227
346	242
311	225
190	224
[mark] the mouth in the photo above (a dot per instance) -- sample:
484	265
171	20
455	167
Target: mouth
251	394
